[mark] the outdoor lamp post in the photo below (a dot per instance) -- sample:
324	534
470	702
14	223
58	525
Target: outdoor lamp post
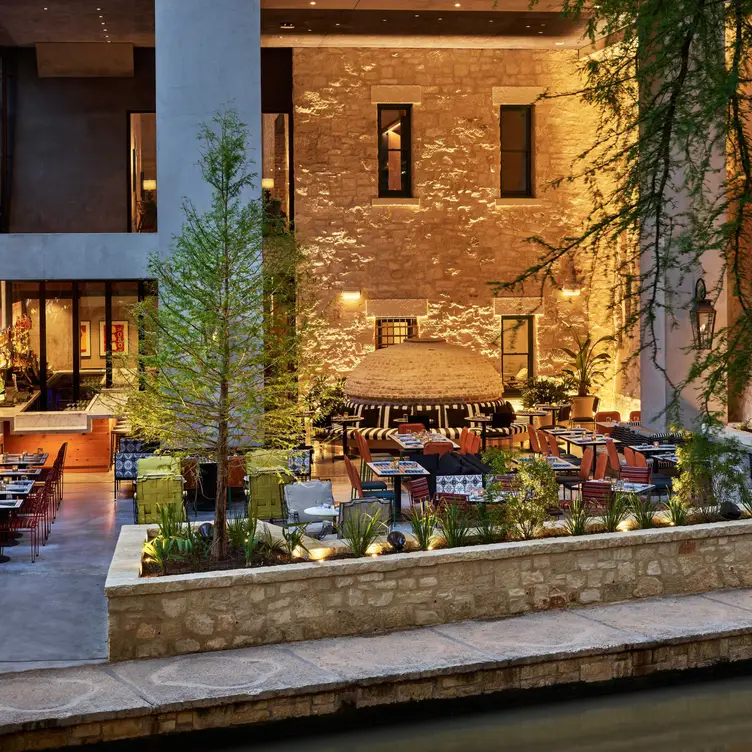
703	318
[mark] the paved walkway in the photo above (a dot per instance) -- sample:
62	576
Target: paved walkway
572	641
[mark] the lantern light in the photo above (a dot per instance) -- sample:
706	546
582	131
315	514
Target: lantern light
703	318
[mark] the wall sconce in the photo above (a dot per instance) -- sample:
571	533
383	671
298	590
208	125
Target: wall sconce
267	184
703	318
350	294
148	185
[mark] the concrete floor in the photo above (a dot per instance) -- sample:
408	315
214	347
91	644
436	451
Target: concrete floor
53	612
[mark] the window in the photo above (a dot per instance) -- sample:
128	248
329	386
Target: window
143	177
394	150
516	352
394	331
516	124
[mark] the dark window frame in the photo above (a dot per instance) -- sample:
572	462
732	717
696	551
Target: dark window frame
406	146
382	336
530	349
529	192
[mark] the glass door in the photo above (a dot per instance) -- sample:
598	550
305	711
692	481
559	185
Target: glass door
516	352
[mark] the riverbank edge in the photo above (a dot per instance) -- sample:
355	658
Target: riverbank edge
695	648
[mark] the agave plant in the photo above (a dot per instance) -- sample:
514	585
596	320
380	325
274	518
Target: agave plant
587	366
361	531
577	518
615	512
293	538
643	509
170	517
454	525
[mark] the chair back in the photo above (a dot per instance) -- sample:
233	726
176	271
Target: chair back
363	449
411	428
543	441
532	434
565	413
437	447
636	474
444	500
309	493
419	491
635	416
600	466
613	456
629	455
553	445
608	415
473	444
354	477
464	433
587	463
349	510
506	482
595	495
639	459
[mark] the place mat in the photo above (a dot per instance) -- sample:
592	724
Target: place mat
627	486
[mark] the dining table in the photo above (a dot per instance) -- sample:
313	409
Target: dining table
587	439
416	442
397	469
557	463
27	459
12	497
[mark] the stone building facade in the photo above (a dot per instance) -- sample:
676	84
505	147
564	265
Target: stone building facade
433	256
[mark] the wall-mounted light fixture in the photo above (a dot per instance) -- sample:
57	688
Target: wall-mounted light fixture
570	291
267	184
148	184
703	318
572	286
350	294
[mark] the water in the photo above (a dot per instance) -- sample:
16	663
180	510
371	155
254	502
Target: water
711	715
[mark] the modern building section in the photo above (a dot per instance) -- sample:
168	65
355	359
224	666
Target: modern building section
406	140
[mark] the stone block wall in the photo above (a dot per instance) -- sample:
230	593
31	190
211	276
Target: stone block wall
460	236
240	608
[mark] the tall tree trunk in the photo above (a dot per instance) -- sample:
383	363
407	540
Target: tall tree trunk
219	544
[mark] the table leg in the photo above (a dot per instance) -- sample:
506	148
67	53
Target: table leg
483	435
344	440
397	499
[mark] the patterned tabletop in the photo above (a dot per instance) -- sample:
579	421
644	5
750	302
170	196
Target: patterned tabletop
395	468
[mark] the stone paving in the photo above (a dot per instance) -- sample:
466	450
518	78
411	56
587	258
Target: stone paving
588	644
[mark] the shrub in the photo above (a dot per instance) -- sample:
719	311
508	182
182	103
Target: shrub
643	508
490	522
534	492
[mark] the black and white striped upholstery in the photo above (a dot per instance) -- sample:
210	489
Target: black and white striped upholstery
451	419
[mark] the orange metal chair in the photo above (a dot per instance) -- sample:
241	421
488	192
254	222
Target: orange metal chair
640	460
553	445
437	447
545	447
411	428
472	445
608	415
532	434
600	466
629	456
635	416
574	481
613	457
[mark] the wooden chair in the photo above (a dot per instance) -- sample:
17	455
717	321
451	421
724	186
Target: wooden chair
639	459
553	445
600	467
360	508
411	428
437	447
464	433
444	500
545	447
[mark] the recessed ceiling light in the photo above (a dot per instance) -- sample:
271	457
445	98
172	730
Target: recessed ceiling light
104	29
558	44
45	8
527	27
417	15
313	2
491	21
458	5
441	19
287	25
383	19
540	32
543	24
102	22
336	24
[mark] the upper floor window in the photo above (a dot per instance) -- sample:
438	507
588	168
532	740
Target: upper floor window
394	331
516	151
517	352
394	150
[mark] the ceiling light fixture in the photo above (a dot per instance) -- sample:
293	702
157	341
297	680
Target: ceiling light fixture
558	44
458	5
287	25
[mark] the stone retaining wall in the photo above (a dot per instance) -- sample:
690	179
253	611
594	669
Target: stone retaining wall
217	610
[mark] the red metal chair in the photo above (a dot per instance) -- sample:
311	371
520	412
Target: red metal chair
419	491
635	416
640	460
633	474
437	447
596	495
411	428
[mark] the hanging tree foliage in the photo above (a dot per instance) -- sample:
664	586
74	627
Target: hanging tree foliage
669	174
221	346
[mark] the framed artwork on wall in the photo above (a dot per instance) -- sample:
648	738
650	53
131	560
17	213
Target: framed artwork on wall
119	338
86	339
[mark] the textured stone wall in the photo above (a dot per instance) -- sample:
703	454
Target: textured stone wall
214	611
446	249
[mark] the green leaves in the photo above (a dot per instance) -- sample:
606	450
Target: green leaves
360	531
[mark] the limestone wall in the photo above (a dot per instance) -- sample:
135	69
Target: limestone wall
461	236
239	608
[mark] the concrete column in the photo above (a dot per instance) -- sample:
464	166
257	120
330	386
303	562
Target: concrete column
208	56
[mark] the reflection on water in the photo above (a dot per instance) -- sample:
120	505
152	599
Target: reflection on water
703	716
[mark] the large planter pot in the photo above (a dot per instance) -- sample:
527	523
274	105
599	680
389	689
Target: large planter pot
238	608
583	407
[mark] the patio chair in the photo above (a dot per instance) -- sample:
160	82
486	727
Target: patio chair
629	456
606	416
600	466
634	474
444	500
367	481
304	494
532	435
595	496
662	483
555	449
635	416
614	461
411	428
464	435
357	484
360	507
420	494
587	410
438	447
472	444
575	481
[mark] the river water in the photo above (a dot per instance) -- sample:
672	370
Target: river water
711	715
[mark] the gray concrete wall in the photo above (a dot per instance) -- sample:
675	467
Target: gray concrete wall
208	55
71	149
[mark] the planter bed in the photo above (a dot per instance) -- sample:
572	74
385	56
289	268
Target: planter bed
236	608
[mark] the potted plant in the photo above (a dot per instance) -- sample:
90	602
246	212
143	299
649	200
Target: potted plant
544	391
587	368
